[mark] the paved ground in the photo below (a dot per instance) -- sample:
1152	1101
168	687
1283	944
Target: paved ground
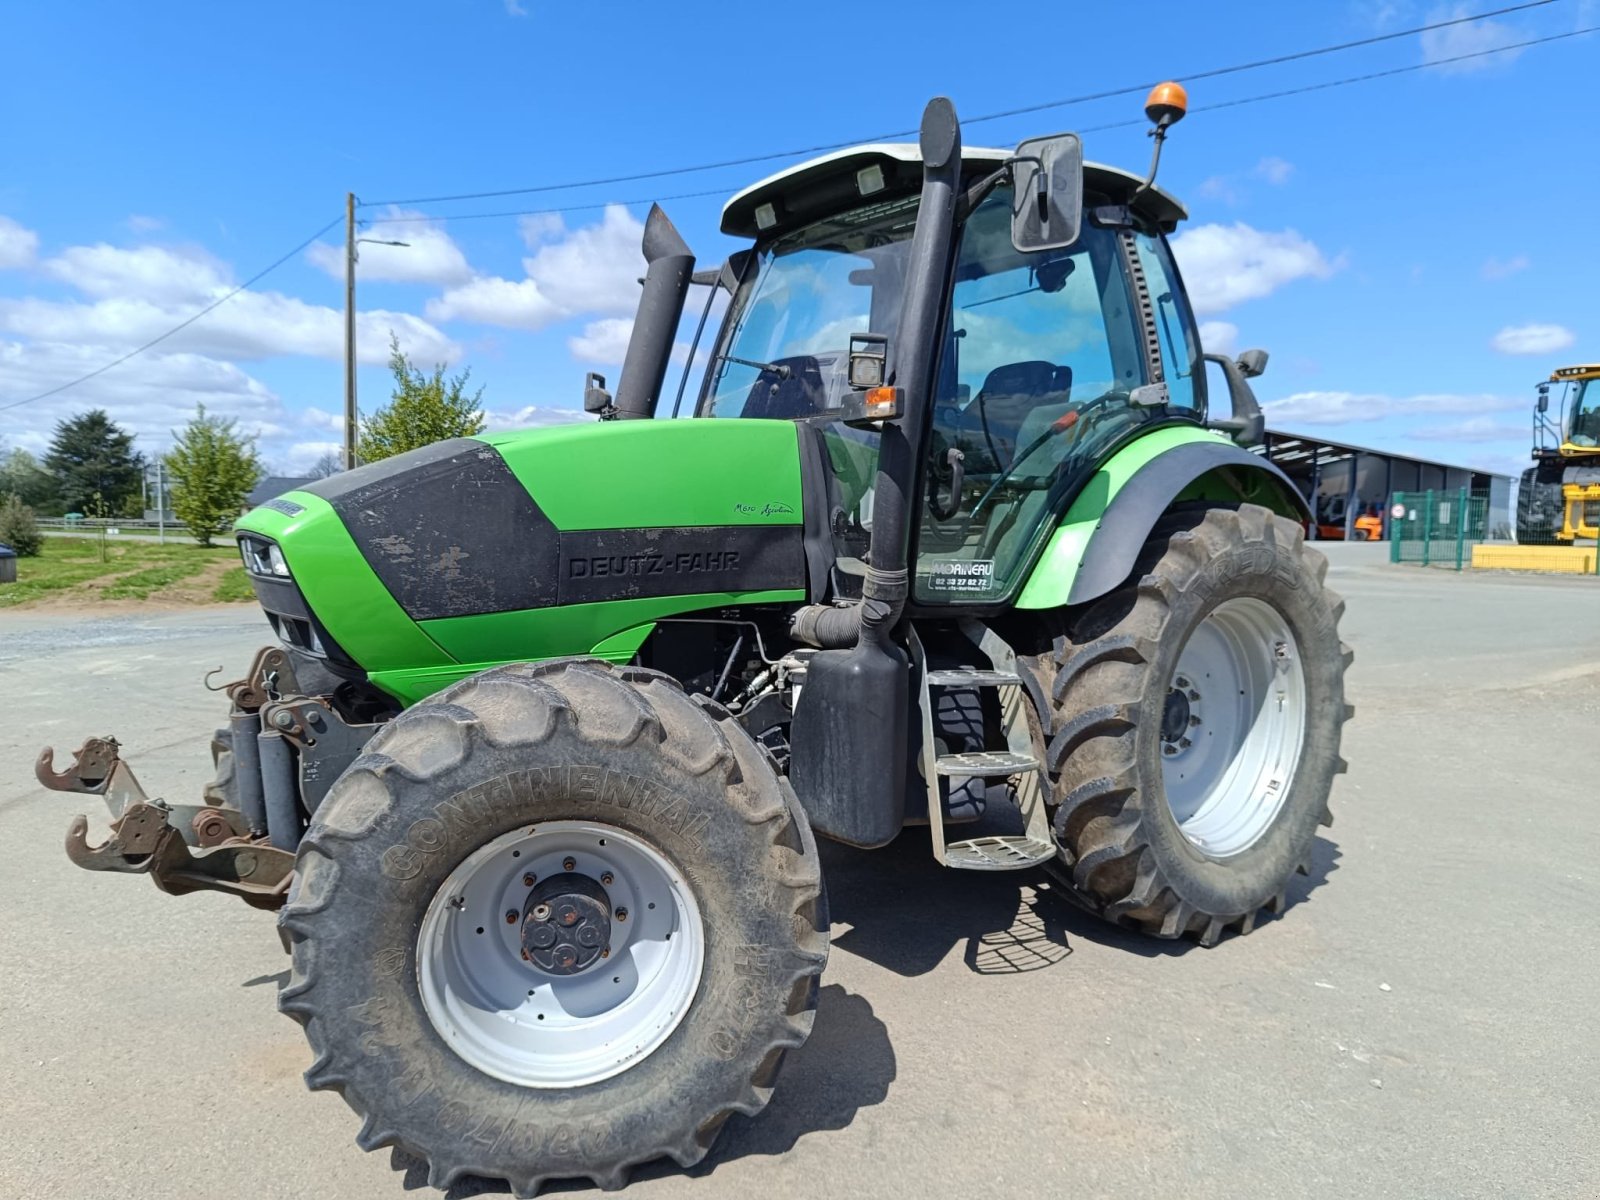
1420	1023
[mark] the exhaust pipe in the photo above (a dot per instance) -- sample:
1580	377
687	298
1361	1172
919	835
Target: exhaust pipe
655	326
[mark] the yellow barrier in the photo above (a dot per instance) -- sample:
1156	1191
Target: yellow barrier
1568	560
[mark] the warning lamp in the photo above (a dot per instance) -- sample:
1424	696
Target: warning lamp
1165	106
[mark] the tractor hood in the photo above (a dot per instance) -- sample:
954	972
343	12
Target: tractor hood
432	565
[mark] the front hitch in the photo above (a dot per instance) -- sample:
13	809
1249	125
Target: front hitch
144	841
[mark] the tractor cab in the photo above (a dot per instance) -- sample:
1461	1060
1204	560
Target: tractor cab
1579	406
1045	358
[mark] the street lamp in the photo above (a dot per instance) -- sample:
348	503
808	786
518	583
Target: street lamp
350	242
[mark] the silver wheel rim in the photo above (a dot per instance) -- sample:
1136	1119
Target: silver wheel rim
510	1018
1232	727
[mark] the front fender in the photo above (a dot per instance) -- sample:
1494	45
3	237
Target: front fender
1098	541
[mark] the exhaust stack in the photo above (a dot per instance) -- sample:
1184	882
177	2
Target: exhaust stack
666	284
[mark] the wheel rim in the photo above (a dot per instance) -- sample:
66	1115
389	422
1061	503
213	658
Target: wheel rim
538	1023
1232	726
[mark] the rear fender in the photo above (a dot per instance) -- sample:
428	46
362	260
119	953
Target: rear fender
1099	540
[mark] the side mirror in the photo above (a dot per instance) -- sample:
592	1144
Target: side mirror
1047	202
1247	424
1544	398
1252	363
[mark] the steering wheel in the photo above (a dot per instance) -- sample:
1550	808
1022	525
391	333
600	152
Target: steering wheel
1074	421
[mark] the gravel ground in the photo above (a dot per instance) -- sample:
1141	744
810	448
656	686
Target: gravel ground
1418	1024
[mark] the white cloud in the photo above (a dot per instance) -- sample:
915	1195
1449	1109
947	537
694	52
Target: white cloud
154	274
604	341
491	300
1225	265
1471	37
140	223
1495	269
429	256
300	457
1339	408
591	270
18	246
1273	170
537	228
1532	339
514	9
1219	187
595	268
1473	429
497	420
1219	337
253	325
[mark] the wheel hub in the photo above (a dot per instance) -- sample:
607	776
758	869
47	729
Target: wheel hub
566	924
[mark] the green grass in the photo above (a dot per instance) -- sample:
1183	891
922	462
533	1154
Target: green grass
233	588
69	569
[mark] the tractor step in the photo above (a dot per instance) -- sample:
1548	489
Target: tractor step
985	763
1021	761
998	853
972	677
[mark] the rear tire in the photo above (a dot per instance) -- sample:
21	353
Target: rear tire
1193	829
412	850
1540	509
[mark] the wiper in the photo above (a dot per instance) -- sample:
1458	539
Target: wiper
766	368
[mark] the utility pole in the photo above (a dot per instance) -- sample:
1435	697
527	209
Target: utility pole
349	330
161	502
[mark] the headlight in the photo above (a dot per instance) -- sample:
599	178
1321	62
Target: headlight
262	557
275	561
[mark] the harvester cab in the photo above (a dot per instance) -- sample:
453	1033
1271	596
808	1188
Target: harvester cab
956	539
1558	500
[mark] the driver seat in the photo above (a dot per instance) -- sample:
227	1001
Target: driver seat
1014	392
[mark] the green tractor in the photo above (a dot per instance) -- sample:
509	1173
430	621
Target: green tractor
954	539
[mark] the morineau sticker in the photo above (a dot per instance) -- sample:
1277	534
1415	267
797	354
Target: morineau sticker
977	576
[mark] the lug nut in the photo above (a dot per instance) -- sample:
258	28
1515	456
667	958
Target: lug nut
606	953
1184	743
541	912
622	914
529	879
1193	695
511	916
569	864
525	957
606	878
1193	721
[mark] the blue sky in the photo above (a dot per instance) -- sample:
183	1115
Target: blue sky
1415	252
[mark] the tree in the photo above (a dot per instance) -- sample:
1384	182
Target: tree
90	454
20	473
213	468
330	463
426	409
18	528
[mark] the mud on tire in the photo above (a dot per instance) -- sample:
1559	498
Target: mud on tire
1112	673
510	748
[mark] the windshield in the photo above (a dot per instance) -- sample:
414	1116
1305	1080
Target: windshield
1583	413
802	298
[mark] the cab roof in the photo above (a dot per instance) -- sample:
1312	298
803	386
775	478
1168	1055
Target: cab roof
812	189
1582	371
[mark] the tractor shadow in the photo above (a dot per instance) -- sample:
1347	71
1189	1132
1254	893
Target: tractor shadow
847	1064
906	913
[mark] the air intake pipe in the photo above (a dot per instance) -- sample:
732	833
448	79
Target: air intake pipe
655	327
848	741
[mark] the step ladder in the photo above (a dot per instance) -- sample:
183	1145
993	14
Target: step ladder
1020	761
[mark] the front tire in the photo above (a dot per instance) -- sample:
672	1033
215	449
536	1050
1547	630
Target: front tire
1197	717
627	1037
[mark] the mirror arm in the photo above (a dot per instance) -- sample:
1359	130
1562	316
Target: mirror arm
974	195
1248	424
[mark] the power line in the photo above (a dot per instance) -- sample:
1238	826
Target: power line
1265	96
181	325
1334	83
1131	89
422	218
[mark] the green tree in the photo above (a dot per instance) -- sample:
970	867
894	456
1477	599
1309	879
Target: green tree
21	473
91	454
425	409
18	528
213	468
